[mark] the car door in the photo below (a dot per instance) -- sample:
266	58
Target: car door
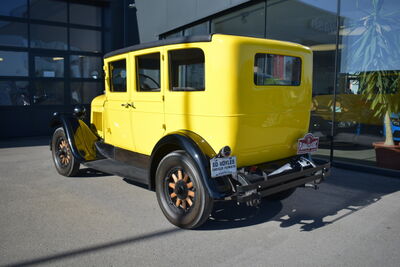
118	107
148	99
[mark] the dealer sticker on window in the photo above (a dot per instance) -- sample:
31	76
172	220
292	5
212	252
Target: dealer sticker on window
223	166
307	144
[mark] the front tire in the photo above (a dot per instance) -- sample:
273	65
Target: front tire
180	191
63	159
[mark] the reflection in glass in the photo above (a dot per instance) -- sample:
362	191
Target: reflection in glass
369	79
49	67
48	93
13	33
14	8
14	93
173	35
272	69
52	10
49	37
305	22
85	40
199	29
248	21
84	92
13	63
314	24
86	67
85	14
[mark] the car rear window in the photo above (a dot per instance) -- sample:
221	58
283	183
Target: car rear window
270	69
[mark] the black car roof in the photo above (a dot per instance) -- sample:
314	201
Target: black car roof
177	40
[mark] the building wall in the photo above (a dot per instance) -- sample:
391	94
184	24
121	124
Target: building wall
159	16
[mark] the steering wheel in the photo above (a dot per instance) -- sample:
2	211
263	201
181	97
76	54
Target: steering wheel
150	78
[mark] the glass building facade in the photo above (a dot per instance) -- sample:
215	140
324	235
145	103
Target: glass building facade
356	68
50	58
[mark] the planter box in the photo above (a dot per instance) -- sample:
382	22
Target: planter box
387	156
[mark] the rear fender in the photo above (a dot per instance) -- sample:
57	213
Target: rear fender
198	149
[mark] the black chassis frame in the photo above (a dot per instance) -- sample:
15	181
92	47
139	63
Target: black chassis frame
141	168
278	183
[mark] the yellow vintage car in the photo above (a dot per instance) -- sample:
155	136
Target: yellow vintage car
199	119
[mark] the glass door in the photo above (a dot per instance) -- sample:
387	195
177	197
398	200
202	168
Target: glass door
48	79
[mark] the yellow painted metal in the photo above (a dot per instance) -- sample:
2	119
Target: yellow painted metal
148	112
96	116
259	123
117	117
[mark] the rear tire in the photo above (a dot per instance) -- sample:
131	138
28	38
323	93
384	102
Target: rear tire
63	159
180	191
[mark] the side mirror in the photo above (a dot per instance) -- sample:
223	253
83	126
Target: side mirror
80	112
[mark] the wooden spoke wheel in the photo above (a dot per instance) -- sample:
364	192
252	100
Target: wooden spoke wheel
63	159
180	191
63	152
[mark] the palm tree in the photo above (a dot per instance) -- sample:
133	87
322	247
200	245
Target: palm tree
376	58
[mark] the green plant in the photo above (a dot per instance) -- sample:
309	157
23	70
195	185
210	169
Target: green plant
376	55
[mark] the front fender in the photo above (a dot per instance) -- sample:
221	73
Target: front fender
80	137
198	149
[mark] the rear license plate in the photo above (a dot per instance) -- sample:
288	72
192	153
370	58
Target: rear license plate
223	166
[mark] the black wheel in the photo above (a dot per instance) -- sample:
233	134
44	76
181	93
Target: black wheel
281	195
180	191
63	159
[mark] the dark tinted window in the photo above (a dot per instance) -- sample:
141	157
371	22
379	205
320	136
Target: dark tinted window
14	8
84	92
86	67
48	93
85	14
85	40
13	63
49	67
118	76
49	37
51	10
13	33
148	72
14	93
272	69
187	70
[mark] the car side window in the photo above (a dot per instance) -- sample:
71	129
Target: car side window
118	76
187	70
148	72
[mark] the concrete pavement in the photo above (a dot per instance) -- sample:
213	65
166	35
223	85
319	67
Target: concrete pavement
102	220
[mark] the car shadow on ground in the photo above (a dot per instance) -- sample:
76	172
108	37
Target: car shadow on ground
341	195
90	173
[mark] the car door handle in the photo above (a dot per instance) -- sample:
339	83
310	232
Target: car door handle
127	105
